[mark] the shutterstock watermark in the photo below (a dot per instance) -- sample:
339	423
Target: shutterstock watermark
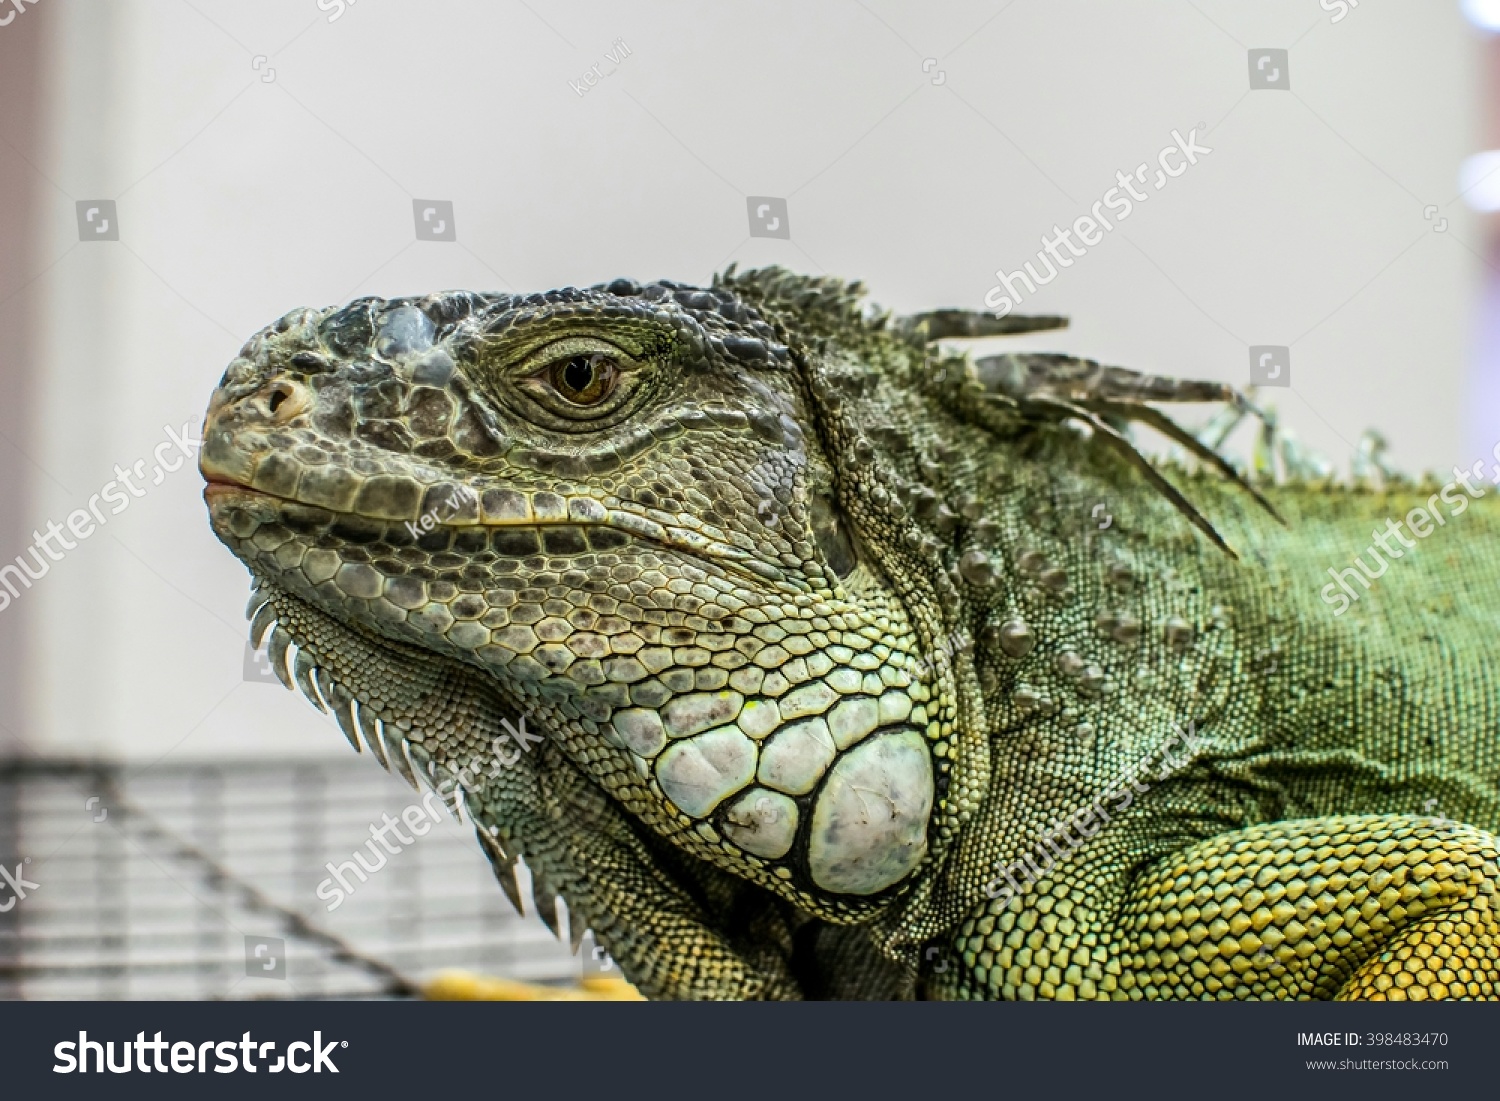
941	656
614	56
18	885
1421	521
419	818
1340	8
1057	841
457	497
19	6
1090	228
338	7
82	523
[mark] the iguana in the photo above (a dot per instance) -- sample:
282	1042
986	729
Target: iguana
866	668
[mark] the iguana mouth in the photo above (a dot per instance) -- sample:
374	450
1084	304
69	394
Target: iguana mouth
515	522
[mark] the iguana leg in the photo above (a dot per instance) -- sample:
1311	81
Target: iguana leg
1372	906
1345	907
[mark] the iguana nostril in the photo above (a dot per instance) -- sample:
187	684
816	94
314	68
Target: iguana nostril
284	400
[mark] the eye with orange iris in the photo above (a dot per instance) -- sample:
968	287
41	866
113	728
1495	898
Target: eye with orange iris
585	379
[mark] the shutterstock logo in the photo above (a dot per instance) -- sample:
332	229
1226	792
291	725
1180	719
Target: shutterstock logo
246	1053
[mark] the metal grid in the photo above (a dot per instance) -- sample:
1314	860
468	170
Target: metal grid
160	882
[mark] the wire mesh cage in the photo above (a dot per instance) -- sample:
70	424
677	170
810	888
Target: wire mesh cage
188	881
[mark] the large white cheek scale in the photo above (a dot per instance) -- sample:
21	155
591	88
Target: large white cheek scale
869	826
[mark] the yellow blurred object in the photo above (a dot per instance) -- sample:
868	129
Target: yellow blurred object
464	986
610	990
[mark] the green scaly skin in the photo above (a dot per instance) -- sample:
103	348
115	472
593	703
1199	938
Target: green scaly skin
828	636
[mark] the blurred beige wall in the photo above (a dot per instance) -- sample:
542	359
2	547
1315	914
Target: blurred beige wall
267	155
22	127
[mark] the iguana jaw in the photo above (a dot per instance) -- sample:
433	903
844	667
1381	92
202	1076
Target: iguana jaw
871	821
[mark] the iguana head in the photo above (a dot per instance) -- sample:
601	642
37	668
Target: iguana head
648	518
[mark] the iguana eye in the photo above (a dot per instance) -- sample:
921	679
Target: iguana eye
576	383
584	379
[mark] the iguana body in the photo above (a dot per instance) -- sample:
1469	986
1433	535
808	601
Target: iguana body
829	634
